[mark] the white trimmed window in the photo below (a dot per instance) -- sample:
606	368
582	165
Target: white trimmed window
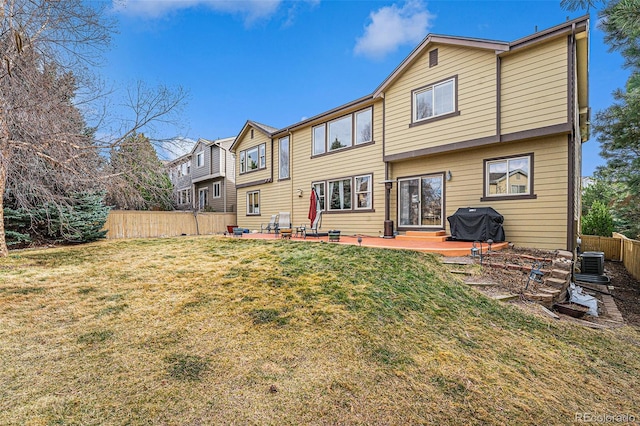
340	132
364	127
343	132
284	158
340	194
363	192
253	158
508	176
435	100
200	159
253	203
216	190
319	140
203	198
320	192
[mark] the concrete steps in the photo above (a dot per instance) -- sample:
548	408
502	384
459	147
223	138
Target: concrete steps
427	236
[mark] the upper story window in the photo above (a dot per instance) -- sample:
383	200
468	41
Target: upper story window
284	158
200	159
434	100
509	177
343	132
253	158
184	169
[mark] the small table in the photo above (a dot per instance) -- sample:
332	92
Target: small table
301	231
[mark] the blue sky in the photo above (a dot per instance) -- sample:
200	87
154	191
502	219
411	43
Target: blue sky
278	62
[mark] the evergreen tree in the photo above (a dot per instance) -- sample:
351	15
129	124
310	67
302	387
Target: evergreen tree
598	221
618	127
80	221
140	180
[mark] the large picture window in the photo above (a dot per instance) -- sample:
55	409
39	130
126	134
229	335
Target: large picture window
434	100
284	158
253	159
509	177
340	194
253	203
343	132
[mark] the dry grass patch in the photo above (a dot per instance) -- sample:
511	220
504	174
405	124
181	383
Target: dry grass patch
222	330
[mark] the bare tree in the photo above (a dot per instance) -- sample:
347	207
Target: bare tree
47	149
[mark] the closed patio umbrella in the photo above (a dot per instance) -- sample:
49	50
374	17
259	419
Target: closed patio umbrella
313	206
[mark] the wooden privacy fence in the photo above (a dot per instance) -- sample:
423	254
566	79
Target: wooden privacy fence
144	224
612	247
617	248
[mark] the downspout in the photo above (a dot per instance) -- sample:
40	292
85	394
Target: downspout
291	170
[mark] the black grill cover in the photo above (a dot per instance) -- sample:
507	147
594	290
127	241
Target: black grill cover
476	224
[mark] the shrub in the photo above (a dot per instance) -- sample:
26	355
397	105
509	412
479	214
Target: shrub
598	221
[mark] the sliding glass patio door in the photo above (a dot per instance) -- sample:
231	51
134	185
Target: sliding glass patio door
420	202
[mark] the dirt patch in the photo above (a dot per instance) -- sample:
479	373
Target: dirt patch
626	291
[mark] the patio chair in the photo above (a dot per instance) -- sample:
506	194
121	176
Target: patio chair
271	226
284	221
313	229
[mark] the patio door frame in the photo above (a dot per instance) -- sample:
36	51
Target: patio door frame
419	226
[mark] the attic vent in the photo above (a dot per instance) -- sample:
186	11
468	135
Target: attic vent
433	58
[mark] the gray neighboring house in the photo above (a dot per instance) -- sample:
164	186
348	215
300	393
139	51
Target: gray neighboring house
204	179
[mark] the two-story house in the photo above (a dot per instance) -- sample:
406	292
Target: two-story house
461	122
204	178
180	176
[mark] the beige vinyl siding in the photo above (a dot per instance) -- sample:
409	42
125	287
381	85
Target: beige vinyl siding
534	87
360	160
540	223
245	143
274	198
477	93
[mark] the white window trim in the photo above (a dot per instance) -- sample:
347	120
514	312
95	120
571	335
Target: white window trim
324	197
217	185
201	191
354	128
288	175
313	139
249	193
432	87
200	159
261	153
487	169
356	192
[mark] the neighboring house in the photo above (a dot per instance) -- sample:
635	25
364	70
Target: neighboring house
204	179
459	123
180	176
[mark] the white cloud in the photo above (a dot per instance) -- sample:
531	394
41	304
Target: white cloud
251	10
393	26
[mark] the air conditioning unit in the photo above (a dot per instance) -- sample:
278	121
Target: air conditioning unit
592	263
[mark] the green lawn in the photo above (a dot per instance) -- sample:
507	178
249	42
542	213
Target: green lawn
218	330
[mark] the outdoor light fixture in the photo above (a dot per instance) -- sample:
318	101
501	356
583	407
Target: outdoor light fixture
359	240
475	251
299	192
489	243
449	176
